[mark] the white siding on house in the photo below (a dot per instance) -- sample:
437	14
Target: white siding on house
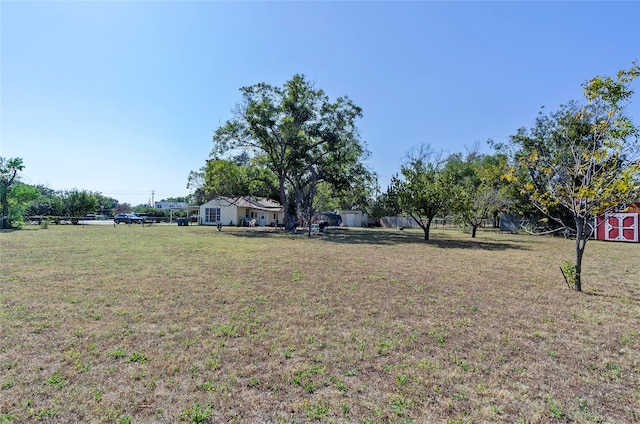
227	212
228	215
233	212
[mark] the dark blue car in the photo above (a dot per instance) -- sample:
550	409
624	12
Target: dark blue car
128	218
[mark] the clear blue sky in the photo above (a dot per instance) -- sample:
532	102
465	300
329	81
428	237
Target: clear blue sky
123	97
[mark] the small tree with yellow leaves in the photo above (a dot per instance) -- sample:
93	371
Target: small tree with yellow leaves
582	160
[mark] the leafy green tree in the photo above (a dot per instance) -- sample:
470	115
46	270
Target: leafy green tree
45	206
341	171
582	160
20	196
425	189
387	203
196	186
175	199
78	203
121	208
355	196
477	192
359	193
226	178
105	203
46	191
502	175
219	177
48	203
239	175
9	168
326	199
296	134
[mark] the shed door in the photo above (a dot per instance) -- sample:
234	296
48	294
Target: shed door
621	227
351	220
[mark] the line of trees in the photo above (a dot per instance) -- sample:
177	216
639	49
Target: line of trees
468	188
47	202
20	201
573	165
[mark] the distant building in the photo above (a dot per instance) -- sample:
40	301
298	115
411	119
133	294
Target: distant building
169	205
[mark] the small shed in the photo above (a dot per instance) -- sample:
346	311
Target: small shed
621	225
512	223
351	218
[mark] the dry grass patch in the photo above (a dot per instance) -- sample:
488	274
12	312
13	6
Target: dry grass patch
171	324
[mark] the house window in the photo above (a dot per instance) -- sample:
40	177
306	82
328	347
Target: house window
212	215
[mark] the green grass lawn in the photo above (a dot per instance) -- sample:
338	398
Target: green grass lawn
186	324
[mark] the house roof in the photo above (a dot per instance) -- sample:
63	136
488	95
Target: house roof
247	202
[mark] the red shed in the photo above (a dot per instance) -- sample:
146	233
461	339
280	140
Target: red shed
620	226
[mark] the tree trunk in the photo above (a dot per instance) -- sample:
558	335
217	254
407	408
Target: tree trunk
426	228
5	210
285	205
473	231
4	194
581	242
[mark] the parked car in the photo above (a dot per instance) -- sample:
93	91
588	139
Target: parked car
128	218
330	219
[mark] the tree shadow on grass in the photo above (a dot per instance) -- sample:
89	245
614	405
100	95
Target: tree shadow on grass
388	237
629	297
9	230
404	237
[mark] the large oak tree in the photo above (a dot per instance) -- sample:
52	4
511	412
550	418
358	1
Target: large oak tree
299	135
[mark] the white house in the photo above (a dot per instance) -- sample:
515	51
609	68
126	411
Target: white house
237	210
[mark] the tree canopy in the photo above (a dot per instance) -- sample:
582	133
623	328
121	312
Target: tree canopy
426	187
479	192
298	135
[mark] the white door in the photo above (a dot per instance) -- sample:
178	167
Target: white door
262	221
621	227
351	220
